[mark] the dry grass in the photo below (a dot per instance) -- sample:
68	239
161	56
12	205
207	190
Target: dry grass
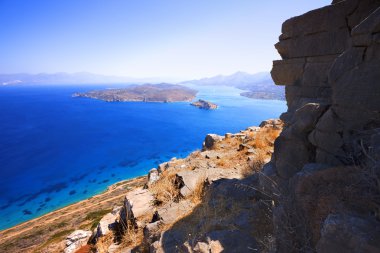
209	215
265	138
195	154
221	163
104	243
255	165
165	189
132	237
198	192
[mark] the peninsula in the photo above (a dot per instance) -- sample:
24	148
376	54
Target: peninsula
143	93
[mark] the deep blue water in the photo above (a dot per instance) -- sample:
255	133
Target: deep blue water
56	150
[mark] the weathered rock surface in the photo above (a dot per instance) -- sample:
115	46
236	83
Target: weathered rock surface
153	176
137	203
330	67
76	239
203	203
211	139
106	224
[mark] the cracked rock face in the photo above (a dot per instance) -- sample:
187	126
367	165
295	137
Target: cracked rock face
331	69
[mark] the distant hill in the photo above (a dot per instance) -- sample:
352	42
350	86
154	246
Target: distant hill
260	85
67	78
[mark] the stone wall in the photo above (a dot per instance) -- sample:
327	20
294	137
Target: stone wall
331	69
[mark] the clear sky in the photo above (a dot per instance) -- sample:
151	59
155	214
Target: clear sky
143	38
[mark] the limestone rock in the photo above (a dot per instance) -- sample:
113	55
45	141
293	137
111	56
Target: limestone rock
117	248
105	224
152	232
162	167
273	123
187	181
136	203
153	176
76	239
210	140
170	212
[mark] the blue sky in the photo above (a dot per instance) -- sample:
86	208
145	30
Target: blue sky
143	38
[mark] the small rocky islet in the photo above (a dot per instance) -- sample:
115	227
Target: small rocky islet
203	104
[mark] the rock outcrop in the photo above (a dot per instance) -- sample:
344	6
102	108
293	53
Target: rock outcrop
203	104
107	223
202	203
76	239
211	140
331	69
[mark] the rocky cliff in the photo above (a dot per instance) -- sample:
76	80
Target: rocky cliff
206	202
326	161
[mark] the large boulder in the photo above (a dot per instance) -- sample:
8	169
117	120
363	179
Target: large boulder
107	223
211	140
76	240
187	181
137	203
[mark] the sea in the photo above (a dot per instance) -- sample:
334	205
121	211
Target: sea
56	150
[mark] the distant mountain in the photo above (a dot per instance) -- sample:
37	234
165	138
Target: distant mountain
66	78
258	85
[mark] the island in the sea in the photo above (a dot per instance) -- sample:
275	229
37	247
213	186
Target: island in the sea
203	104
163	92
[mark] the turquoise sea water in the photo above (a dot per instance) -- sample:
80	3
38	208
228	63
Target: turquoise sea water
56	150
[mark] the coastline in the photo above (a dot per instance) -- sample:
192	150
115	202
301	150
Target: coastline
113	192
99	116
229	156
